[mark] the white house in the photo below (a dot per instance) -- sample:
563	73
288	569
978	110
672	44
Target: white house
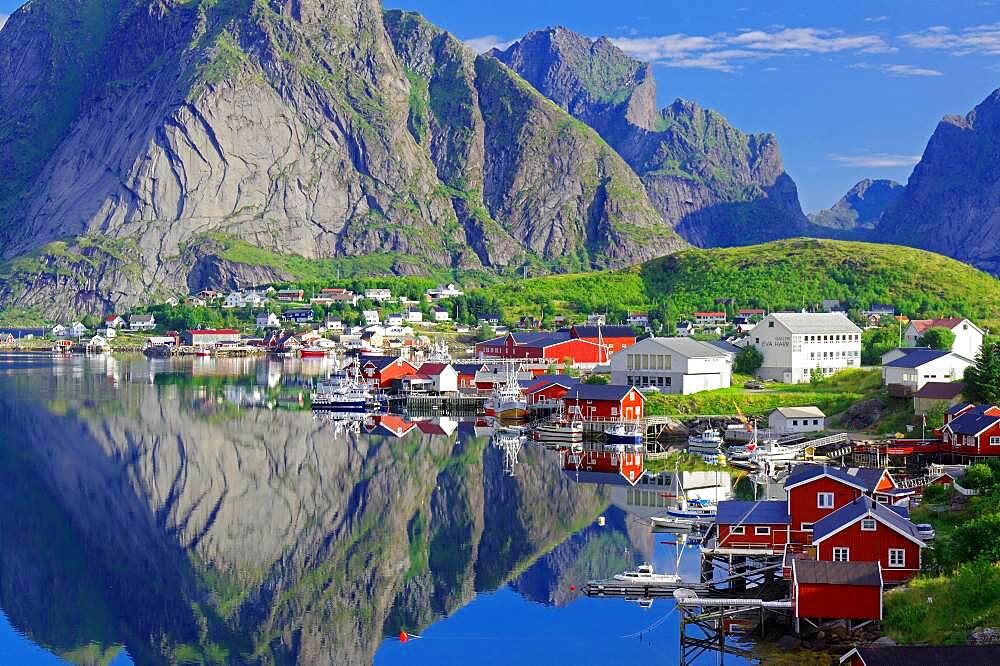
685	329
142	322
795	343
595	319
77	329
791	420
58	331
415	317
640	319
97	344
443	375
113	321
371	317
968	336
673	365
905	371
108	332
233	299
334	325
395	319
380	295
709	318
267	320
440	314
254	299
445	291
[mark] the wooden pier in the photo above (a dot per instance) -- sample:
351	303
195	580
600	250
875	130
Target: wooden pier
464	404
635	589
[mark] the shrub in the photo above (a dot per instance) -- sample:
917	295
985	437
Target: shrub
748	361
978	476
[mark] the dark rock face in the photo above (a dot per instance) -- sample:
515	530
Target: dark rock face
716	185
296	127
861	207
951	203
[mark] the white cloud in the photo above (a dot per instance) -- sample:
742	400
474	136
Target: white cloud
874	160
982	39
876	19
898	70
487	42
728	52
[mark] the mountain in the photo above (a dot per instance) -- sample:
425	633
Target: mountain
861	207
716	185
136	135
951	203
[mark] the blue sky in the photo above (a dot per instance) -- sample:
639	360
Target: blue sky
851	89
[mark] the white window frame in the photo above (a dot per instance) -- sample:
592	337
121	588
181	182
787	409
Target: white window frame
994	441
760	530
803	528
869	521
901	564
819	500
841	554
738	530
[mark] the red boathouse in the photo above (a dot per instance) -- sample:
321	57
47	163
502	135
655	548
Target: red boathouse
605	401
837	590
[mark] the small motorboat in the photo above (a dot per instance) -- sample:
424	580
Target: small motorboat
696	510
314	352
708	442
644	573
627	436
671	524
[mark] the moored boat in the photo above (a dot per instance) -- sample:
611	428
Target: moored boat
708	442
696	510
558	430
628	436
644	573
314	352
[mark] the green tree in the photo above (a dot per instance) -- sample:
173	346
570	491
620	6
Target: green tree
982	380
91	321
816	376
748	361
596	379
877	341
978	476
937	338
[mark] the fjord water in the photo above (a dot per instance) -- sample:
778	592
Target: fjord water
185	511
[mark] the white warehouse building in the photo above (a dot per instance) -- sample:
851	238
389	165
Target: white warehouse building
672	365
796	343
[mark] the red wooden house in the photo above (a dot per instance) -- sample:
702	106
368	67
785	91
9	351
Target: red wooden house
467	373
543	348
381	371
837	590
972	430
866	531
630	465
816	491
755	526
549	389
605	401
614	338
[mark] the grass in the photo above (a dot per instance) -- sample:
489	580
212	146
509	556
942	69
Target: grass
833	395
944	610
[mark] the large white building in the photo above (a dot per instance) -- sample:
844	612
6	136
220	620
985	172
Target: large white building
672	365
796	343
905	371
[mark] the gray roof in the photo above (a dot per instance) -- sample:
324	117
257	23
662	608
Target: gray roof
814	322
690	348
801	412
837	573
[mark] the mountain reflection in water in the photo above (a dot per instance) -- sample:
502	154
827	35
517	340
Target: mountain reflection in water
183	511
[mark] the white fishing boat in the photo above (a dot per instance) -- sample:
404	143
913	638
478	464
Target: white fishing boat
507	401
645	573
558	430
707	442
342	392
670	524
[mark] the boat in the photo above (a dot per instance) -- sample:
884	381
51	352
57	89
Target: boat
696	510
628	436
203	352
559	430
342	393
644	573
708	442
669	524
314	352
507	401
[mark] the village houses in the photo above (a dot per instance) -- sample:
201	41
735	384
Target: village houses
267	320
968	336
142	322
906	371
796	343
378	295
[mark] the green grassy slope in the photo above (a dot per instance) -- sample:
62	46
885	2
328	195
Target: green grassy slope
781	275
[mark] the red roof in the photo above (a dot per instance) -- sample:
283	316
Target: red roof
709	314
922	325
216	331
746	311
432	369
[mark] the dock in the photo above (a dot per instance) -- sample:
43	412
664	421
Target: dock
619	588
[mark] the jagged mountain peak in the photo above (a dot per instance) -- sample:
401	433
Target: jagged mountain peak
861	206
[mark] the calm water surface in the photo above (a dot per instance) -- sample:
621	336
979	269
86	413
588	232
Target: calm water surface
192	511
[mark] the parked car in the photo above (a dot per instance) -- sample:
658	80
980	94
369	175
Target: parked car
754	385
926	531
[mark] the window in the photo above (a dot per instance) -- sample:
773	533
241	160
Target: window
795	422
738	530
815	421
841	554
806	527
897	557
770	324
868	525
994	441
762	531
824	500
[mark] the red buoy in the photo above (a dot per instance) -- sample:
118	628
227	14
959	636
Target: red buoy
572	588
403	637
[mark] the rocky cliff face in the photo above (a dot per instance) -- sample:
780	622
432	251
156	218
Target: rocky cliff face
295	126
861	207
951	203
713	183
